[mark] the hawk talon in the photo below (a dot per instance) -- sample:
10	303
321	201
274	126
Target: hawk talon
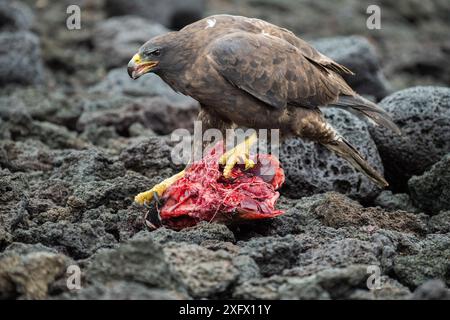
239	154
145	198
156	197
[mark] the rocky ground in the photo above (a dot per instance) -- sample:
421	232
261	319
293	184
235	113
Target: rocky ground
78	140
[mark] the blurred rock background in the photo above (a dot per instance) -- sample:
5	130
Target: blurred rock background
78	139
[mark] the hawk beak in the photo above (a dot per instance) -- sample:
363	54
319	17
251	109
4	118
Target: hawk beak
137	67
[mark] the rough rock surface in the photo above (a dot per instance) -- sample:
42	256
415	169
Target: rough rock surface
431	191
173	14
357	54
398	201
15	15
27	271
432	290
428	261
121	37
423	115
23	68
310	168
138	261
118	81
75	150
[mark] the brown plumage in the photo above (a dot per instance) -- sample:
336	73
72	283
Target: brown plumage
250	73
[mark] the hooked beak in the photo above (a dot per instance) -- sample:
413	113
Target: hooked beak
137	67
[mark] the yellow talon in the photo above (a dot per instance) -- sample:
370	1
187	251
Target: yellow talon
249	163
239	154
159	189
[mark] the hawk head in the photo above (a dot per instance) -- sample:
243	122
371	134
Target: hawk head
148	59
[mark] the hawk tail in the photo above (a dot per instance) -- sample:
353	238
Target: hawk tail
363	107
344	149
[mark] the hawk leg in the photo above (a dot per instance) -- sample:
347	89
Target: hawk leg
239	154
158	190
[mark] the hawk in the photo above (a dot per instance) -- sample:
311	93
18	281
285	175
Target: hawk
249	73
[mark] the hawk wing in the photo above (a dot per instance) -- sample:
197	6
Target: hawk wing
274	71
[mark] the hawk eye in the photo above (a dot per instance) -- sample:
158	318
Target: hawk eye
152	52
156	52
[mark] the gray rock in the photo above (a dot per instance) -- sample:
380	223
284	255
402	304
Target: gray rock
122	290
332	283
15	15
273	254
25	156
203	232
440	223
117	193
19	125
357	54
174	14
28	271
337	211
82	166
430	262
431	191
119	38
151	157
139	260
336	254
150	85
247	268
423	115
78	240
205	273
25	68
392	202
310	168
389	289
160	115
123	224
44	105
432	290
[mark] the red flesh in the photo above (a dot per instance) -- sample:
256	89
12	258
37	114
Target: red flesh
204	194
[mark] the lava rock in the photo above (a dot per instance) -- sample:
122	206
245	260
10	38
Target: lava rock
150	85
151	157
28	271
158	114
122	290
273	254
19	125
119	38
423	115
25	68
78	240
310	168
332	283
43	105
440	223
25	156
357	54
203	232
174	14
82	166
337	211
205	273
15	16
431	191
432	290
429	262
393	202
138	260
